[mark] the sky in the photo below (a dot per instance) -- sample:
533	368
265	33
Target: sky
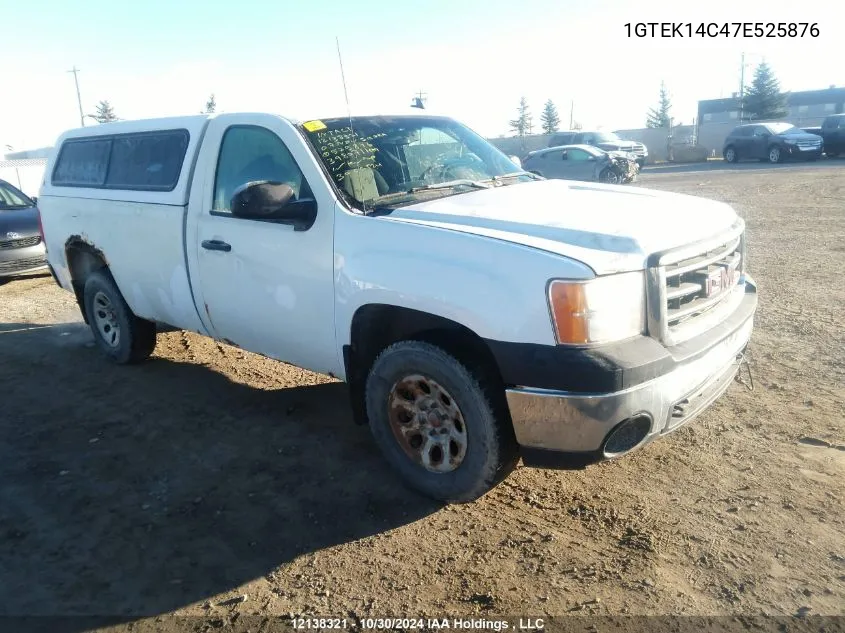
474	59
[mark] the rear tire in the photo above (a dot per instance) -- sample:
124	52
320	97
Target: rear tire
730	154
445	429
123	337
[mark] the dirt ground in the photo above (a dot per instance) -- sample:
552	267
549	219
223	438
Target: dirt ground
209	474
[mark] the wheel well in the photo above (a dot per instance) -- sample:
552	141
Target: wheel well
377	326
82	260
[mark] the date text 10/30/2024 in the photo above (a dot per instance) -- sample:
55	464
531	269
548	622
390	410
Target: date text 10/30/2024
722	29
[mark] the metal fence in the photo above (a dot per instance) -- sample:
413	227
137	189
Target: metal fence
25	173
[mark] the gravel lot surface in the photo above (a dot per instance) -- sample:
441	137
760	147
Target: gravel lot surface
208	474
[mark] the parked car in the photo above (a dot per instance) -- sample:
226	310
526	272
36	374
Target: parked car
582	162
607	141
479	313
833	134
771	141
21	244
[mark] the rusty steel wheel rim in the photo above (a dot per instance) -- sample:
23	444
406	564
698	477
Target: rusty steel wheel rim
427	423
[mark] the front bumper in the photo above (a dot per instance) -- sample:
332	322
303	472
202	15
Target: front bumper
23	261
564	428
803	153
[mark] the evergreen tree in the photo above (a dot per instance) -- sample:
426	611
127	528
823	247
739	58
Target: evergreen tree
522	124
105	112
659	116
549	118
210	105
763	100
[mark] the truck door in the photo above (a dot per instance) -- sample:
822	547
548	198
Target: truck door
260	284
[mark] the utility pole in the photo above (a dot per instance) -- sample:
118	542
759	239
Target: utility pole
741	88
78	98
571	112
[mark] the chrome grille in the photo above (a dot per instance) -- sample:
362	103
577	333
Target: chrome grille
697	284
690	289
24	242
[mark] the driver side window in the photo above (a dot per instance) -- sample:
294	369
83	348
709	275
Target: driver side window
250	154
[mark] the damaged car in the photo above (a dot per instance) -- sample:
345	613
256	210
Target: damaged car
583	162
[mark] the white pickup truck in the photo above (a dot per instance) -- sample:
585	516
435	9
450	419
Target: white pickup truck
478	313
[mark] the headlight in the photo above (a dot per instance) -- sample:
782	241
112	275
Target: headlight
600	310
789	141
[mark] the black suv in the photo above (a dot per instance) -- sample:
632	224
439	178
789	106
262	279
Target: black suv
773	142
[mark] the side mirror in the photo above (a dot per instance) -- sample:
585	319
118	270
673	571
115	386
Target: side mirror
34	200
563	155
272	201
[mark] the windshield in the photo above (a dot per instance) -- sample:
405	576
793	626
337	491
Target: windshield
11	198
783	128
398	160
606	137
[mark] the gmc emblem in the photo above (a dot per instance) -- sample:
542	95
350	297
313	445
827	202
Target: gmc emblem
721	277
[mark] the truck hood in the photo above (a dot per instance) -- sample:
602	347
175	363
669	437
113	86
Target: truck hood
625	146
610	228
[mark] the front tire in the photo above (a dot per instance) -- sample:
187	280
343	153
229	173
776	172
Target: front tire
444	428
730	154
774	154
123	337
609	176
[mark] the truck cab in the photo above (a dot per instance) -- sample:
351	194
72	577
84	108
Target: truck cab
479	313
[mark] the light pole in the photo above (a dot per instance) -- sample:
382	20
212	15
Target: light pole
78	98
741	87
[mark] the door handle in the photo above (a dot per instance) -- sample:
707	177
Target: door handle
216	245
